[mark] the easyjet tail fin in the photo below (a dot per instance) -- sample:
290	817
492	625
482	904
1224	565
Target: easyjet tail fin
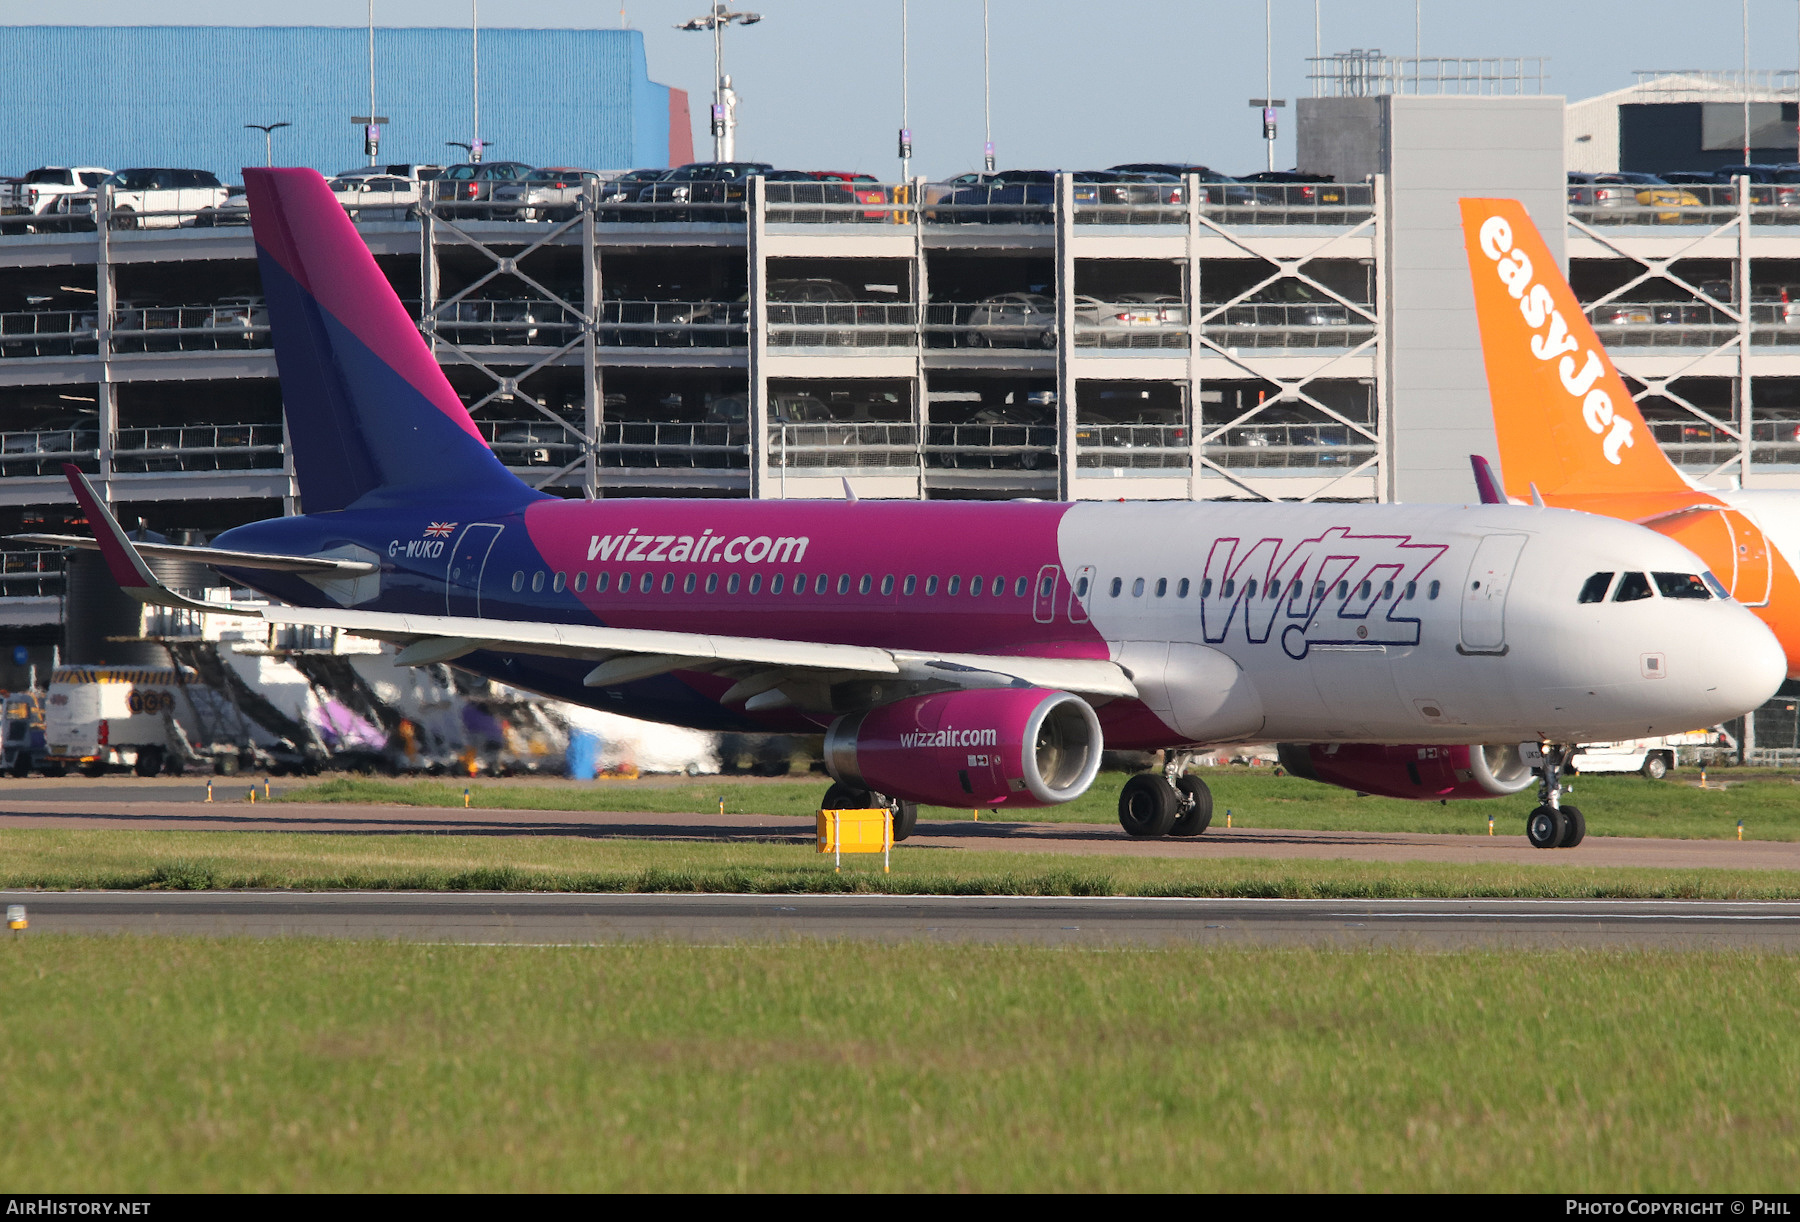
1565	421
369	413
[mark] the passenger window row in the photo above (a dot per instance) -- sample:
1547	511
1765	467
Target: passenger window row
1634	586
625	582
1229	589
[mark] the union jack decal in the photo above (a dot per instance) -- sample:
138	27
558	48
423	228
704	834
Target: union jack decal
439	530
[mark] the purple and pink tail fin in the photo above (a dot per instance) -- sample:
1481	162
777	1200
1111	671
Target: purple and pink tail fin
368	410
1486	485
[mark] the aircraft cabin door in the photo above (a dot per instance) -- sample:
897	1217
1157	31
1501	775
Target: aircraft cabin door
1484	594
1752	574
468	560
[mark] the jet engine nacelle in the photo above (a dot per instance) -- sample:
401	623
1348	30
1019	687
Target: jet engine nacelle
1420	773
984	747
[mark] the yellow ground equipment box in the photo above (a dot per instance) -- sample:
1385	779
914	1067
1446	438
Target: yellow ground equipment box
856	831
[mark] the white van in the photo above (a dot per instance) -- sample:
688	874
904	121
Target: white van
99	718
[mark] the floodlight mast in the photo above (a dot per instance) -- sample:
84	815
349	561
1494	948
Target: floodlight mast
268	131
724	108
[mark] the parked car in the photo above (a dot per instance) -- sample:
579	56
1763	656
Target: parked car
940	192
411	171
38	192
1293	188
624	190
863	189
237	321
152	198
712	186
996	201
461	187
1132	320
536	443
1631	190
1007	436
549	194
377	197
1218	188
1011	320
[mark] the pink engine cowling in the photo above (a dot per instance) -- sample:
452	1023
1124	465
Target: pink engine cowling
1418	772
985	747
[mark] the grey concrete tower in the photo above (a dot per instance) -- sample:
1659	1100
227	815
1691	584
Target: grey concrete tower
1433	151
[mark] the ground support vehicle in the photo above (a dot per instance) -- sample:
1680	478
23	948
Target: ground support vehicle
1653	757
100	718
22	749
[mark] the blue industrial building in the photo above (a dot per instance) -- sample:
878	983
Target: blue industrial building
123	96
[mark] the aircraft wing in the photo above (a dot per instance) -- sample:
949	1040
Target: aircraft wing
765	669
218	557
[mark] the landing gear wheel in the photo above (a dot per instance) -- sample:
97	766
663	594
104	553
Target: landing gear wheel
1544	828
1654	769
1574	827
1195	803
1147	806
847	797
844	797
906	817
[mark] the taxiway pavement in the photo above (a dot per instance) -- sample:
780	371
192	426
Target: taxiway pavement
172	807
474	917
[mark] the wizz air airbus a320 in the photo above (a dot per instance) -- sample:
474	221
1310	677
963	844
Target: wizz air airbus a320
959	654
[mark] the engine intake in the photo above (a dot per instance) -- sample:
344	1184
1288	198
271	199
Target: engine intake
985	747
1421	773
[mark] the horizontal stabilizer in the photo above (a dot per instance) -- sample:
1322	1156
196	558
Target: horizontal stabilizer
217	557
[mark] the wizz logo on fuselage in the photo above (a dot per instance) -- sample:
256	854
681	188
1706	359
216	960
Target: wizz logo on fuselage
1329	590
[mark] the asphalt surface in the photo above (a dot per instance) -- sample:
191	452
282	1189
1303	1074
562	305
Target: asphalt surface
1096	922
177	804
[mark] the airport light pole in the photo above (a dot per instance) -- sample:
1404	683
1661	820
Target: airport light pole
987	97
268	131
475	145
905	121
724	108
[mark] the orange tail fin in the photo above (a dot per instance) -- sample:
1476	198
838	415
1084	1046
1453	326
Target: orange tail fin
1564	419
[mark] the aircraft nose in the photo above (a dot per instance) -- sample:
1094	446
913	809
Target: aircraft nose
1740	667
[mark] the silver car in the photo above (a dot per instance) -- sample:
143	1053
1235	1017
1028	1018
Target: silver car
549	194
378	197
1011	320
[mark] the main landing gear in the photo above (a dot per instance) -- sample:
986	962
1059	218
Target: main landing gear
1553	825
846	797
1172	804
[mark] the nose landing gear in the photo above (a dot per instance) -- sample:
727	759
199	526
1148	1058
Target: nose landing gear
1172	804
1553	825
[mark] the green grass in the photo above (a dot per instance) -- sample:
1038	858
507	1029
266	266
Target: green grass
58	859
1614	805
144	1064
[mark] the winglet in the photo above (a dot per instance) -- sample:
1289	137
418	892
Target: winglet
1485	484
128	567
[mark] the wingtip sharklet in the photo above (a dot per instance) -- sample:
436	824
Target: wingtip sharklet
127	566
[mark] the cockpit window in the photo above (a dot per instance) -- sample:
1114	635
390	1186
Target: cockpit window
1632	587
1715	585
1681	585
1594	590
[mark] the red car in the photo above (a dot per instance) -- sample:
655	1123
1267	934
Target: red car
866	188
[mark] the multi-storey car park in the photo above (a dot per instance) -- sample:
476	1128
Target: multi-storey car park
1063	340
